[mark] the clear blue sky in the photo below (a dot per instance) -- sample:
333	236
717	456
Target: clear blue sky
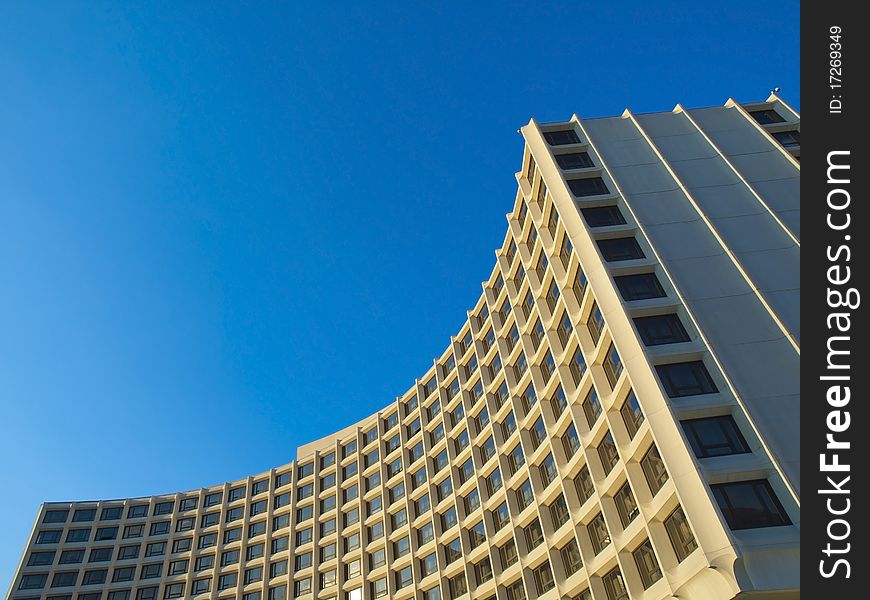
227	230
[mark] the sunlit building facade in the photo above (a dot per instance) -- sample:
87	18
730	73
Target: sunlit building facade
617	418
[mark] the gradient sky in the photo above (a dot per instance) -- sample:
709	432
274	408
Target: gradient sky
227	229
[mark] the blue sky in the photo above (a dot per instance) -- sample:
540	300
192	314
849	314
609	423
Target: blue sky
229	229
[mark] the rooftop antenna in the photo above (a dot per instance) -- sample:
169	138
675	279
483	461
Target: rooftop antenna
776	90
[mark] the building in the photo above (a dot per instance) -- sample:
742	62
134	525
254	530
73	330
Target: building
618	417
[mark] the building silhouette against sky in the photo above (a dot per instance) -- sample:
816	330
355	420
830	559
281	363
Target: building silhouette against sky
618	417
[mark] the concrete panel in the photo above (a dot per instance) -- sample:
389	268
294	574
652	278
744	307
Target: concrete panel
643	178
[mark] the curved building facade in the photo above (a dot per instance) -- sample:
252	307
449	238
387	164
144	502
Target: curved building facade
618	417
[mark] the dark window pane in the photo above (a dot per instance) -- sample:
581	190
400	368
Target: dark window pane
661	329
766	117
616	249
561	138
574	160
789	139
715	436
639	287
686	379
602	216
589	186
750	504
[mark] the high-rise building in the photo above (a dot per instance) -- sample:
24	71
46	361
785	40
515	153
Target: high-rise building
618	417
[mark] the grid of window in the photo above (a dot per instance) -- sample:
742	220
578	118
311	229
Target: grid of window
491	450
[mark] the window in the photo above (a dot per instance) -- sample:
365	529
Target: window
230	557
564	330
159	528
185	524
70	557
78	535
207	520
255	551
508	554
559	512
227	581
789	139
571	441
592	407
118	595
534	534
524	495
493	482
159	548
110	533
614	585
280	544
466	471
278	593
41	559
501	516
750	504
201	586
618	249
538	433
351	542
508	426
212	499
625	505
680	534
429	565
457	585
715	436
561	138
50	536
399	519
133	531
647	565
426	534
376	531
204	562
404	577
190	503
453	551
661	329
138	511
32	582
163	508
448	519
84	515
603	216
325	483
476	535
589	186
230	535
96	577
483	571
100	554
544	578
55	516
686	379
126	552
612	365
302	472
379	588
654	470
177	567
111	513
598	534
515	458
64	579
149	593
607	453
281	479
766	117
151	571
421	505
351	493
577	366
632	416
253	575
574	160
515	590
639	287
571	559
174	590
548	471
255	529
